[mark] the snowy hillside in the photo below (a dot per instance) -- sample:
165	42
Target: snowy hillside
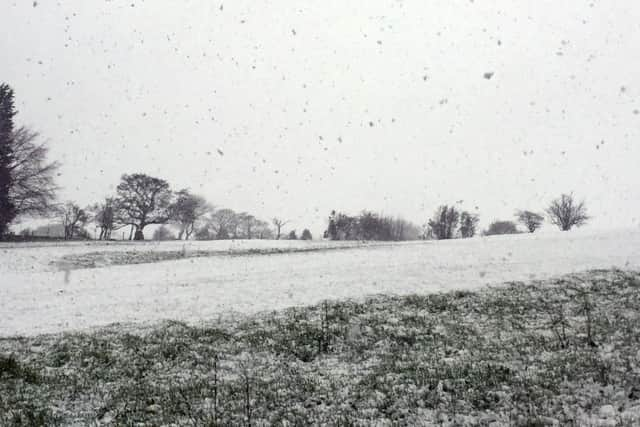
35	297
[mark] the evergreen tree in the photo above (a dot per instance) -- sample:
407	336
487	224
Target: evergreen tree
306	235
7	111
332	230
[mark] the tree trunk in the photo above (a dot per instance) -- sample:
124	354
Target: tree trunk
139	235
189	231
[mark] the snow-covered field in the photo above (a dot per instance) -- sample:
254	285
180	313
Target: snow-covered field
35	297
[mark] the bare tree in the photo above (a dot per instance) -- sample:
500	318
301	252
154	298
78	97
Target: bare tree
278	224
186	210
73	219
401	229
250	225
566	212
104	216
468	224
26	178
346	227
529	219
262	230
163	233
224	223
370	226
143	200
33	190
444	222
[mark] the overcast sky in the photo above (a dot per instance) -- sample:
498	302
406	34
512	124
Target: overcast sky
293	108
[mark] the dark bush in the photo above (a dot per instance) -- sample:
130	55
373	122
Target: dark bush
501	227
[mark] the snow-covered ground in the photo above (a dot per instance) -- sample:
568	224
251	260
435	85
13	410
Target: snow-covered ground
36	298
41	256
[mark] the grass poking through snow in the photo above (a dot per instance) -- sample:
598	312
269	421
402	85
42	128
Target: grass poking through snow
99	259
559	352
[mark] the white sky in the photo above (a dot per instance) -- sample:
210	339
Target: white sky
321	105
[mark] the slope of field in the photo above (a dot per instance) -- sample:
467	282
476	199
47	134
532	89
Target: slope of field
55	256
35	298
561	352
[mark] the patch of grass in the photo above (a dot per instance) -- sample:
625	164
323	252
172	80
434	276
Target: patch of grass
106	258
525	354
12	369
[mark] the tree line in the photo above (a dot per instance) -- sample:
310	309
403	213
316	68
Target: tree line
142	200
28	189
449	222
565	212
370	226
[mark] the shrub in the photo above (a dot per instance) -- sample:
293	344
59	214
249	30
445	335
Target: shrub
529	219
565	212
501	227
